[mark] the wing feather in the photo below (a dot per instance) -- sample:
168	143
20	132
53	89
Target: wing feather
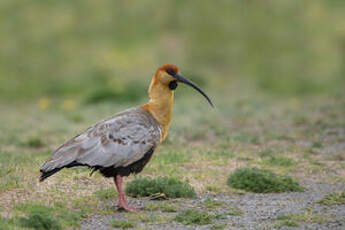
118	141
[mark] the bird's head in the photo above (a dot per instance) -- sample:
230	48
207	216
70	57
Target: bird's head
169	76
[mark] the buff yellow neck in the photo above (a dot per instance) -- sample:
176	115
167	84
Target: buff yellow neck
161	100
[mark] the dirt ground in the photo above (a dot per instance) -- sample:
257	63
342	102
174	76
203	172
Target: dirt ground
259	211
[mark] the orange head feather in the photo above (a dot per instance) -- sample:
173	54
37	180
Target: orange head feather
161	94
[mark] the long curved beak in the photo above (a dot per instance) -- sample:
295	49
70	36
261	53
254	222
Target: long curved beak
180	78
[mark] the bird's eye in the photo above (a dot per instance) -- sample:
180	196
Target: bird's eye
173	85
171	72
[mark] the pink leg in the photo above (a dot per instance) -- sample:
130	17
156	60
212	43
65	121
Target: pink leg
122	200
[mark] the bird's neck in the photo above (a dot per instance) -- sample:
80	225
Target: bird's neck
160	106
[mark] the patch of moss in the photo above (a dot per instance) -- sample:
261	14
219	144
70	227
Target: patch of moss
262	181
170	187
334	198
192	216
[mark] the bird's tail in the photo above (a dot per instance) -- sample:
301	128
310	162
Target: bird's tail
47	173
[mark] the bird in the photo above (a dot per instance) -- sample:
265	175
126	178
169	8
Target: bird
123	143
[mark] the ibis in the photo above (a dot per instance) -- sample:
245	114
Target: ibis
123	144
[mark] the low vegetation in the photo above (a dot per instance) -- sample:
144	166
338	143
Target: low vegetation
130	92
279	161
262	181
122	224
34	142
106	193
213	203
218	226
148	217
192	216
39	221
334	198
198	217
161	187
38	216
292	219
234	211
285	223
162	206
65	65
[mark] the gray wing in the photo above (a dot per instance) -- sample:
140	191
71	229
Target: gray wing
118	141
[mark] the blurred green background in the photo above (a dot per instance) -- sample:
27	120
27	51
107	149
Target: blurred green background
99	50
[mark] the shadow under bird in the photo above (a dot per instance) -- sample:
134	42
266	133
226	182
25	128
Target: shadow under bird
125	142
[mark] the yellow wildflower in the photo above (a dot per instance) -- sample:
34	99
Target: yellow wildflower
43	103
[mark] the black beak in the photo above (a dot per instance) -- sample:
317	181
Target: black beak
180	78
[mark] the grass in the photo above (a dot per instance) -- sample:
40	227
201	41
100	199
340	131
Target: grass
262	181
265	152
163	206
234	211
106	193
279	161
172	157
35	220
212	203
39	221
304	217
131	92
317	144
149	217
63	70
122	224
286	223
334	198
37	216
34	142
213	189
168	186
218	226
41	216
192	216
204	146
